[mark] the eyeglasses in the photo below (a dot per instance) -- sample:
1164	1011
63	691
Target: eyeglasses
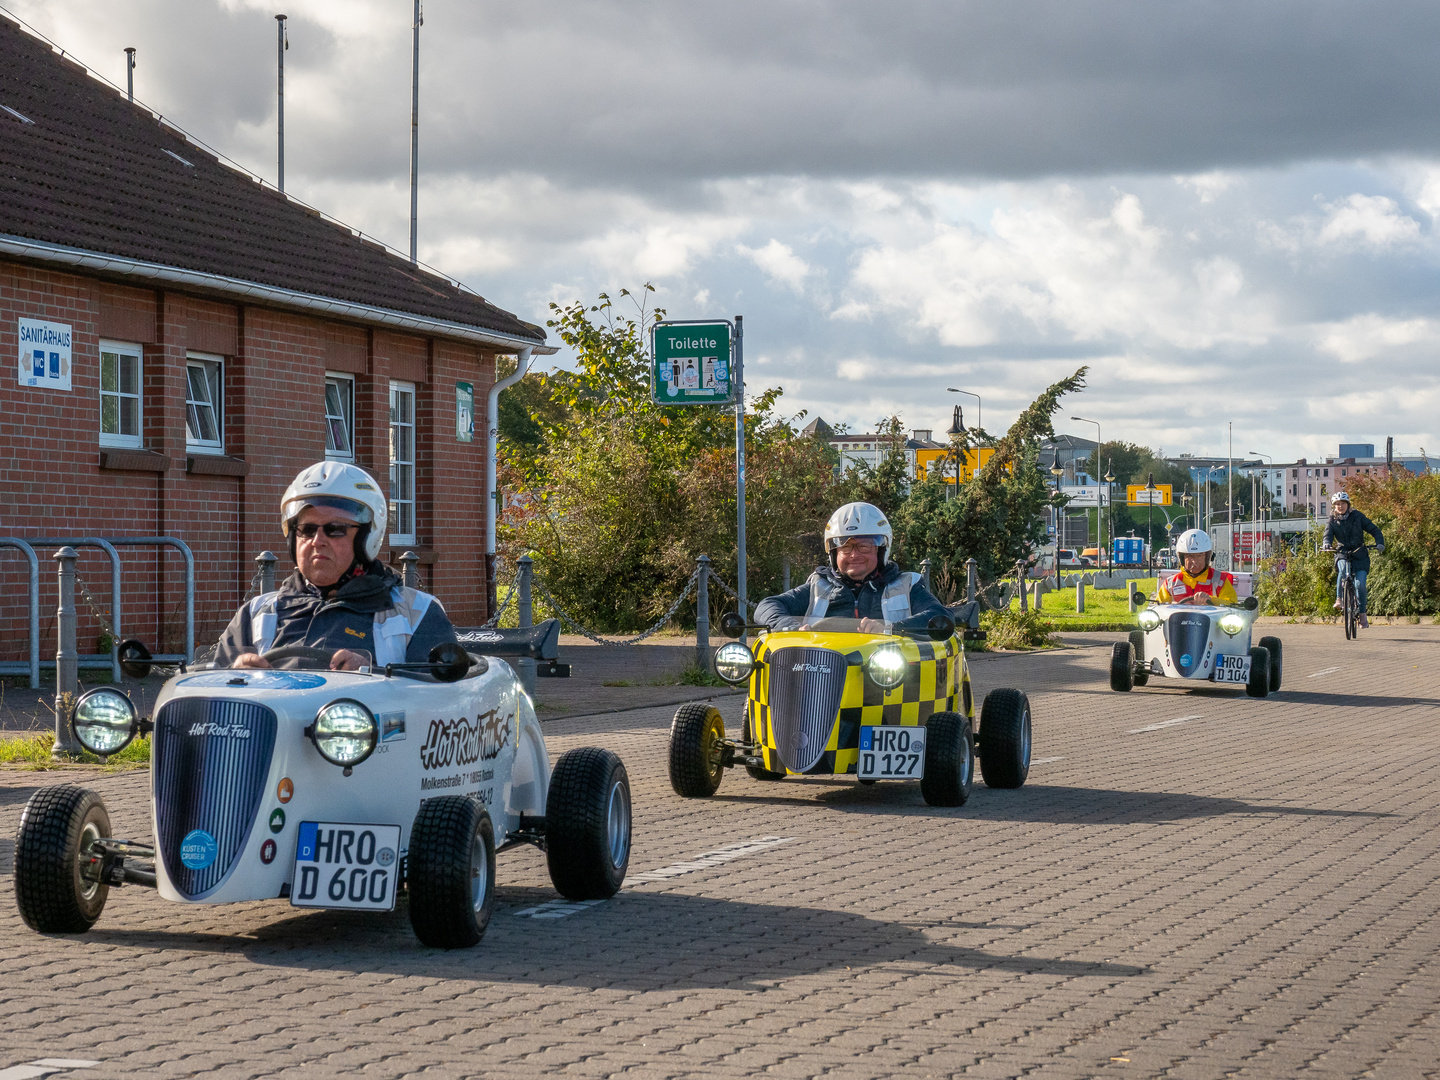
858	542
333	529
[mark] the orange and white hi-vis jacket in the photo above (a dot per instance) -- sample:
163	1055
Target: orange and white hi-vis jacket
1216	584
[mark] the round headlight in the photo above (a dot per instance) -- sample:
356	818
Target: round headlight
886	666
1232	623
344	732
1148	619
104	721
734	662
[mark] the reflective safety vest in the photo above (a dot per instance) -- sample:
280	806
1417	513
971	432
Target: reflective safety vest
1211	585
394	626
894	600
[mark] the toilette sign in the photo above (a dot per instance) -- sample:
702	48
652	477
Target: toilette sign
44	354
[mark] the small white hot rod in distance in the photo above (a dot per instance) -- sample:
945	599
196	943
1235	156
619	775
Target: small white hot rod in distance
332	789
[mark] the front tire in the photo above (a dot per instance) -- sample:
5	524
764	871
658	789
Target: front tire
1005	732
587	824
1272	646
1122	667
450	872
56	830
1259	684
695	734
949	760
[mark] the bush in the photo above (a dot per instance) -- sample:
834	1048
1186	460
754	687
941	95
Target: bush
1298	582
1017	630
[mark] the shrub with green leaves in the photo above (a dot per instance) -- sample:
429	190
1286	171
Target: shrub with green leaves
1017	630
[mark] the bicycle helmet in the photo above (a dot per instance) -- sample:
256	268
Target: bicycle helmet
1339	497
858	519
1194	542
341	486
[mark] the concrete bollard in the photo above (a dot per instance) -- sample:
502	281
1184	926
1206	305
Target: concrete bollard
1039	593
266	560
525	665
702	613
1021	586
410	570
67	659
925	573
970	581
1080	595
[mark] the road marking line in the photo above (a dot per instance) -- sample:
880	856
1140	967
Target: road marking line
44	1067
1046	760
560	909
1323	671
1163	724
66	1063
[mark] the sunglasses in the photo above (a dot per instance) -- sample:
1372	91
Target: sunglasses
333	529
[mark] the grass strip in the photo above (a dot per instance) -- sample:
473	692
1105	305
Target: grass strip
32	751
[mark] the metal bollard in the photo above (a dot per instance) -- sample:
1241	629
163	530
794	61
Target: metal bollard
410	570
525	665
785	575
1039	592
925	572
970	581
702	614
267	561
1080	595
67	657
1020	584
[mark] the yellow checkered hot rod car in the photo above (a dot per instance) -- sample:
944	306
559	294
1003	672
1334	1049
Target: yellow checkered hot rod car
832	701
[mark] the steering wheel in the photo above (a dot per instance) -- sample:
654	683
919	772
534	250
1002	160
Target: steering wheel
300	657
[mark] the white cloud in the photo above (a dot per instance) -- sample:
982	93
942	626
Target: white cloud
1209	186
1368	336
779	263
1373	219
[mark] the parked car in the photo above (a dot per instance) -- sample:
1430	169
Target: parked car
1067	559
332	789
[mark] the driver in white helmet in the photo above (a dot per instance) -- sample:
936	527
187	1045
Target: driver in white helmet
1197	582
861	582
340	597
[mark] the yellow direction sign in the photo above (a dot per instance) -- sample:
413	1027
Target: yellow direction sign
1140	495
974	459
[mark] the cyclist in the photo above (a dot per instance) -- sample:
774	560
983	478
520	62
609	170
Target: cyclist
1345	532
1197	582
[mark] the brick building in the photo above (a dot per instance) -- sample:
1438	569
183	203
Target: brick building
188	339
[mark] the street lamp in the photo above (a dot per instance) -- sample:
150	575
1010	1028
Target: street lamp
1057	471
1099	539
1149	510
956	432
979	407
1110	502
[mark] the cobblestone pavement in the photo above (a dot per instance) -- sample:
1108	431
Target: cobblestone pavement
1247	888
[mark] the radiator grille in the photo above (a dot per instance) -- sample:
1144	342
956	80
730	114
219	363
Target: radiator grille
805	689
1188	632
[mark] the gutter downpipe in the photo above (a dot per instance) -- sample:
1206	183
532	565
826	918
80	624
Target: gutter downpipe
492	431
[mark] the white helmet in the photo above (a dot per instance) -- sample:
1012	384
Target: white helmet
341	486
858	519
1194	542
1339	497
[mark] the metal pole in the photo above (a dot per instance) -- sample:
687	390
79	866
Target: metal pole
1230	493
702	613
1020	584
925	572
130	74
740	463
526	664
415	133
281	44
970	565
267	561
410	570
67	670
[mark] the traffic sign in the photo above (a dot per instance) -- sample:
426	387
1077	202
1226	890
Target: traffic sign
1140	495
691	363
1082	496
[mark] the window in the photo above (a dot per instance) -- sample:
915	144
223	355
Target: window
204	404
402	463
339	417
119	395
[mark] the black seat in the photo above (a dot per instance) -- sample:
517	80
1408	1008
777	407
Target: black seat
541	641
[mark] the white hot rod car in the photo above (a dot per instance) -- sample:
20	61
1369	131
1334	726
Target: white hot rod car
332	789
1197	644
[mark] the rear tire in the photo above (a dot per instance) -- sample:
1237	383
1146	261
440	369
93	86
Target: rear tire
587	824
1259	684
1122	667
695	734
57	827
1005	732
1141	670
1272	646
450	872
949	760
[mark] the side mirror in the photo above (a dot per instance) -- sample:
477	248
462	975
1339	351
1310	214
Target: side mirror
134	659
941	628
1139	598
732	624
1250	603
449	662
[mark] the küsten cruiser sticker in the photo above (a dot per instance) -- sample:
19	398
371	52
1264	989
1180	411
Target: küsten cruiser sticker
198	850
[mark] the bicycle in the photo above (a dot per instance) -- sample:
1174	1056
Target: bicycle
1349	594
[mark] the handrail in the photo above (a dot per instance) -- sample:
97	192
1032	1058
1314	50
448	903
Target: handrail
29	552
184	549
115	635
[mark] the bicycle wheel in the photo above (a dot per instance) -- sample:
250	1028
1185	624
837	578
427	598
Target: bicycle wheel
1351	604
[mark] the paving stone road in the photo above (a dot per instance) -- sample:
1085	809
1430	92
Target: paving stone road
1250	891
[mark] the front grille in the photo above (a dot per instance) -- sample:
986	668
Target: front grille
211	763
1188	632
805	689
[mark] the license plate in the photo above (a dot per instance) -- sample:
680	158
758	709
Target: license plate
891	753
340	864
1232	669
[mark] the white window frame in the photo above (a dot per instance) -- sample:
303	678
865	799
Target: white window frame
401	508
124	349
345	390
214	373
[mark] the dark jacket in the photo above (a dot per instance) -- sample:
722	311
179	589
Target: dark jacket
848	599
1349	532
335	618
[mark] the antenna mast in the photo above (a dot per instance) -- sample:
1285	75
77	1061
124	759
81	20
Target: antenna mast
282	42
415	132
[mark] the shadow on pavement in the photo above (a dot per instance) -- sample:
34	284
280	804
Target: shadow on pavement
1354	701
636	941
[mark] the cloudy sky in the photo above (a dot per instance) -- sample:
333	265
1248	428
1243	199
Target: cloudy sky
1228	210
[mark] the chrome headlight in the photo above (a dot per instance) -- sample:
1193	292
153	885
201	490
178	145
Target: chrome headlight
886	666
1148	619
104	721
734	662
344	733
1232	623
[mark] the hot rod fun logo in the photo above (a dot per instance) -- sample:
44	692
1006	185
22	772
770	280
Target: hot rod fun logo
464	742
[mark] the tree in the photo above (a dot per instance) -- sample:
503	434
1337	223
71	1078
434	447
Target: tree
886	483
